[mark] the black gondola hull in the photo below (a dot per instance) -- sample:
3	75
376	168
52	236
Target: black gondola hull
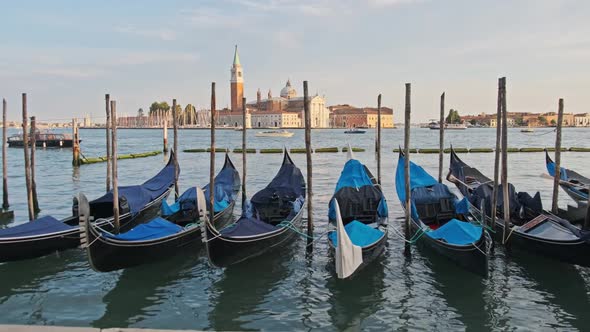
370	253
224	251
473	258
106	254
13	249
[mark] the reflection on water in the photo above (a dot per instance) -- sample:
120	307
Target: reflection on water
289	289
237	297
358	298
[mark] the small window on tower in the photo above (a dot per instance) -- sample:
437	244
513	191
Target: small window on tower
239	74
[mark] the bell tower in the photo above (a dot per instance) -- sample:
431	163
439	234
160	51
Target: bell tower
236	83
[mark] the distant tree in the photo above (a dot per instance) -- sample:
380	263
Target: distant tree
519	121
473	122
553	123
453	117
156	107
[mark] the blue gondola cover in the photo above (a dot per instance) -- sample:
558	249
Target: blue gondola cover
354	176
44	225
418	178
155	229
360	234
457	232
139	196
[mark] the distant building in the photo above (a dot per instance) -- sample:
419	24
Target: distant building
266	110
582	120
568	118
346	116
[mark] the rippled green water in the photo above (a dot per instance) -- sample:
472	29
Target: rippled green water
289	289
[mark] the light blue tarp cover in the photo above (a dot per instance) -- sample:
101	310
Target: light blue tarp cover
360	234
457	232
562	172
155	229
418	178
44	225
354	175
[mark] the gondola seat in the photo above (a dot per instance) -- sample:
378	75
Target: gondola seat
155	229
360	234
457	232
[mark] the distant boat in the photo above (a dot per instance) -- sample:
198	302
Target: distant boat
448	126
43	139
527	130
354	131
274	133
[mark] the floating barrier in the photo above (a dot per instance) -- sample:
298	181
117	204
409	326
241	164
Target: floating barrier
271	150
322	150
576	149
345	149
247	150
84	161
298	150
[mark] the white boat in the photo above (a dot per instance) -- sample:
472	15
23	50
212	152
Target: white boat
448	126
274	133
527	130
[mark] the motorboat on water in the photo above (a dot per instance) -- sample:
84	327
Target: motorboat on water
275	133
43	139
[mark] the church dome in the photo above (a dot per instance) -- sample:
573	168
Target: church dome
288	92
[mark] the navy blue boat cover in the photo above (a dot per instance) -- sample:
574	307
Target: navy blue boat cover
286	191
44	225
227	183
139	196
155	229
356	183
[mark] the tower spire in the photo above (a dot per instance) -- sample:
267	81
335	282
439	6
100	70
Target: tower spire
236	57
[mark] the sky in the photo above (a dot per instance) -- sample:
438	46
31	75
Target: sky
67	54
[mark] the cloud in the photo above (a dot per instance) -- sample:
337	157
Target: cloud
162	34
71	72
306	7
206	16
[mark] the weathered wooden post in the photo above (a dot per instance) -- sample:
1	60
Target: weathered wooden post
114	166
407	167
554	205
107	98
212	157
505	199
378	143
165	129
494	203
33	148
76	144
27	161
587	219
244	154
175	126
5	204
441	138
309	197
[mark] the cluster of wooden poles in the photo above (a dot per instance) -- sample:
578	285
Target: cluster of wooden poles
29	147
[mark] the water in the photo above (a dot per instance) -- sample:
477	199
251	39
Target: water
287	289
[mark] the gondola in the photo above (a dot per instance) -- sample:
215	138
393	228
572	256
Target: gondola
359	211
164	236
532	229
47	234
268	221
574	184
442	222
